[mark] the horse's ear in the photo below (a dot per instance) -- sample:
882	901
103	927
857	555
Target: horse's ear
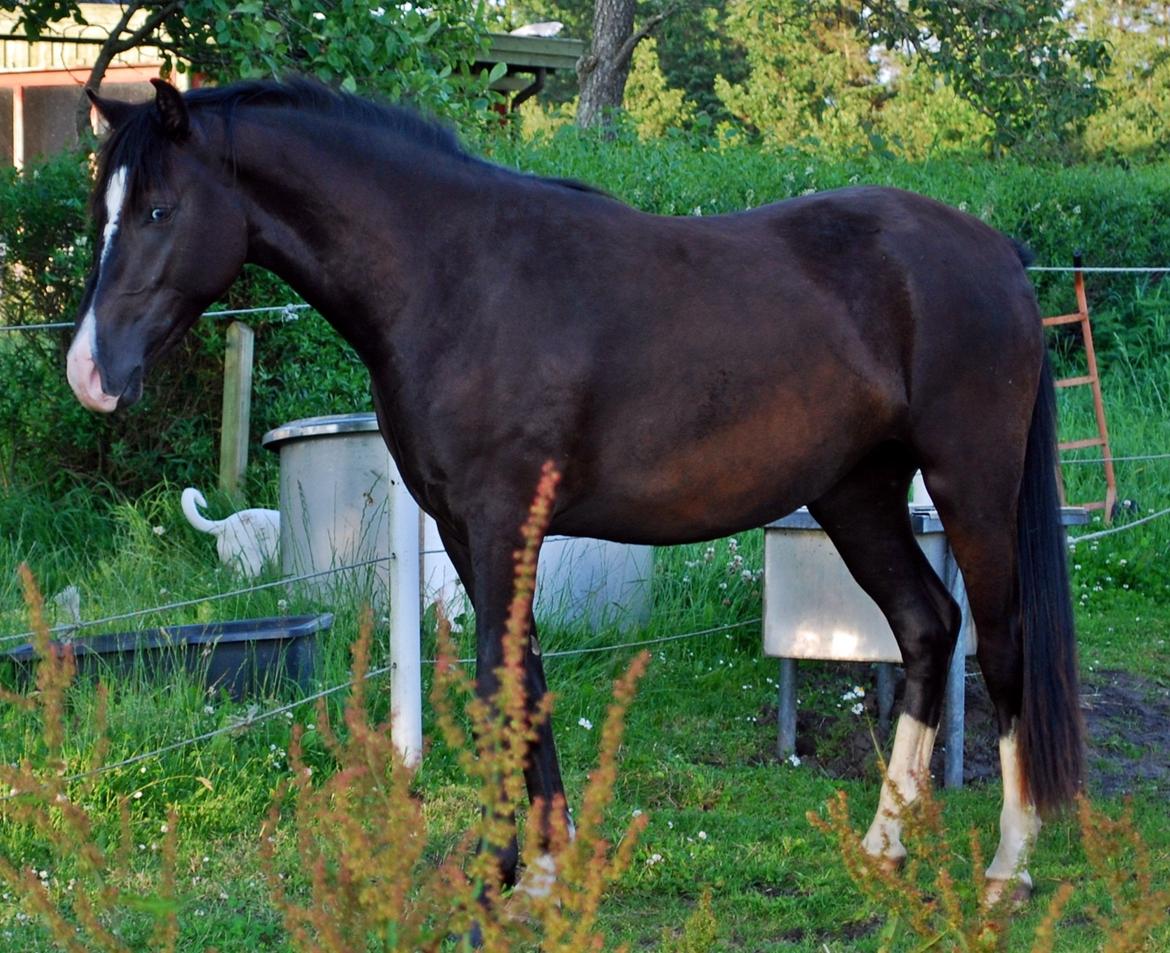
113	111
171	110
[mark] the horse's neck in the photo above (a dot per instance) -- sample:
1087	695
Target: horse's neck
343	229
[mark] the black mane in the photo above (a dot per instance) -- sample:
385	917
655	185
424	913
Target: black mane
309	95
139	144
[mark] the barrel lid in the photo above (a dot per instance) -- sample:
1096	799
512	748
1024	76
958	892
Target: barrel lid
320	427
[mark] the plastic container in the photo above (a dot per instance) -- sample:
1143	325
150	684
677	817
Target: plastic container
242	657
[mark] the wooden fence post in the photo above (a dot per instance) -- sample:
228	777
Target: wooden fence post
237	408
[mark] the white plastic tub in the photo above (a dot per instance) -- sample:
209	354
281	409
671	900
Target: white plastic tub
335	476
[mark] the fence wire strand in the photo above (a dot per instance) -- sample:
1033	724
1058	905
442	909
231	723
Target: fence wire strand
288	312
1076	540
249	721
68	627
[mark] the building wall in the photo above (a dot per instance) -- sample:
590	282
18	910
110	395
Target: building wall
40	82
6	126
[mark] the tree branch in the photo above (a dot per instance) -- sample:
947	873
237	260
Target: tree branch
651	24
115	45
149	25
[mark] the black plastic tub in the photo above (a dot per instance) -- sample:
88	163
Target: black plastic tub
243	657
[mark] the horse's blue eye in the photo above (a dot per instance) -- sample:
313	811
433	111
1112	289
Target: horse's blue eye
159	214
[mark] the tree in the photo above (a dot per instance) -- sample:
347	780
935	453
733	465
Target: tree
653	105
810	77
603	70
408	51
130	32
1018	63
694	47
1133	121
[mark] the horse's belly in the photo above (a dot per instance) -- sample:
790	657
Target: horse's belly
707	489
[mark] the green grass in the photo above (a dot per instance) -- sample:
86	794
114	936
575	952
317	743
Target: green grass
699	756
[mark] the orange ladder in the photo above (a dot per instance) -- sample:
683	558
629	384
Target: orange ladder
1093	380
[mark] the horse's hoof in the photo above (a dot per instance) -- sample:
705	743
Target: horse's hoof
1015	893
888	864
539	878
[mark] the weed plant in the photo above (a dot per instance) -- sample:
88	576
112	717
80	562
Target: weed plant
362	877
938	900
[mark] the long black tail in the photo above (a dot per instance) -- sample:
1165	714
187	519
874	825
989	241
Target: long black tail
1051	732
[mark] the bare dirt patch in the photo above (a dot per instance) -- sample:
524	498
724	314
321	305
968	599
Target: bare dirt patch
1127	721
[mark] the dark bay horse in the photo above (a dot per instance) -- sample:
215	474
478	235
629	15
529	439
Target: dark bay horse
690	377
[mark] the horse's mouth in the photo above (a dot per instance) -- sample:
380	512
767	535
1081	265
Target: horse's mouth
88	382
132	392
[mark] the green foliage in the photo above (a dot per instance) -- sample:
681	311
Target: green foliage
925	118
1020	64
810	81
695	46
1117	216
45	242
46	437
354	873
1132	122
402	52
653	106
399	51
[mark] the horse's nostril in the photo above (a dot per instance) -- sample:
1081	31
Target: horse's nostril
132	390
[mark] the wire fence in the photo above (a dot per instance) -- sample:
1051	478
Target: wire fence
70	627
290	311
251	719
1101	534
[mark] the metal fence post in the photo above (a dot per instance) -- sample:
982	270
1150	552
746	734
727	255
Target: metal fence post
405	624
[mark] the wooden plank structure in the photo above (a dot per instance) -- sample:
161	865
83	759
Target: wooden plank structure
529	60
1091	379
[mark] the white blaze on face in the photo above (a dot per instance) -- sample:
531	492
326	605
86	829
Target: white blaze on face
81	366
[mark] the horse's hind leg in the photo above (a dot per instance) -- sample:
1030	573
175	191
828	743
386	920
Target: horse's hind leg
981	529
866	517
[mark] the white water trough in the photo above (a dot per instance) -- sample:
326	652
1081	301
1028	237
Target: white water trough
342	502
814	609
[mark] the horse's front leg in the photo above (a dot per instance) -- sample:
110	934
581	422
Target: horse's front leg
542	774
493	579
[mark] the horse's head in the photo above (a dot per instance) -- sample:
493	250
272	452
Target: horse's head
172	238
